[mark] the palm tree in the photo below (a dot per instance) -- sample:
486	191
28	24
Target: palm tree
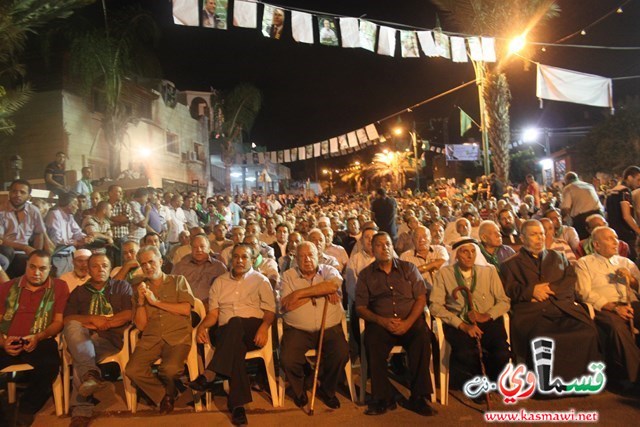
392	166
240	109
104	59
19	18
503	19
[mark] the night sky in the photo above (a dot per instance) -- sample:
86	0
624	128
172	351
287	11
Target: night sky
314	92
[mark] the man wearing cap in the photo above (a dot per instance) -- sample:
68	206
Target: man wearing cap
391	297
463	324
80	273
95	319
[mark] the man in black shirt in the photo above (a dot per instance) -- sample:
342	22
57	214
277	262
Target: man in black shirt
384	209
54	175
620	209
391	297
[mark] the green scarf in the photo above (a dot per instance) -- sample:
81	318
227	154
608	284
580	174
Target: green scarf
491	259
258	262
588	246
464	314
99	305
43	314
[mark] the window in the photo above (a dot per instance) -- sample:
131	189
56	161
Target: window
199	150
173	143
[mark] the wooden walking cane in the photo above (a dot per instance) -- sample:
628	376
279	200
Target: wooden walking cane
634	331
318	356
469	302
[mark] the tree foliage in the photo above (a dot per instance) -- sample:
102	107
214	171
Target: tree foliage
505	19
614	144
392	167
103	58
19	19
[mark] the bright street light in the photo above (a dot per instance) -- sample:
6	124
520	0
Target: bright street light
546	164
530	135
517	44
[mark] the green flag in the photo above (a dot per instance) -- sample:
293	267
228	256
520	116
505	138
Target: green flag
465	122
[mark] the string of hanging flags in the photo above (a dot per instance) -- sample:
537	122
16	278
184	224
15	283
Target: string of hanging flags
338	146
346	32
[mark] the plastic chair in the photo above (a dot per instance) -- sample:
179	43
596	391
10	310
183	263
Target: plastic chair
395	350
312	353
445	356
121	358
58	395
191	362
265	353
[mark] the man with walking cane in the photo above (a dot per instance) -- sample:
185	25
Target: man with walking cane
470	300
305	292
391	297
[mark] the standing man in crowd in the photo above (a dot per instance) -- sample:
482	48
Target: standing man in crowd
121	217
384	210
391	298
163	314
619	206
84	185
54	177
579	200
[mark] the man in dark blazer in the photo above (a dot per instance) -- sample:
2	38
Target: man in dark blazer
282	238
542	286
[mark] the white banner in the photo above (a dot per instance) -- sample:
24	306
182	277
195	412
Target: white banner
185	12
387	41
558	84
302	27
475	48
427	43
245	14
349	32
368	35
458	49
488	49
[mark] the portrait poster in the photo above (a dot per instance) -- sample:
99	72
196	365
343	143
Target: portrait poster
280	156
272	21
362	136
324	147
367	34
342	143
309	151
294	154
213	14
409	44
328	31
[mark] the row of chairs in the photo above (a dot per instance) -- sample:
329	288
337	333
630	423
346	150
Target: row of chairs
195	366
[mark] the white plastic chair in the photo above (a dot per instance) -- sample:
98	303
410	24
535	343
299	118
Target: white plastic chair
395	350
265	353
445	356
312	353
191	362
121	358
58	397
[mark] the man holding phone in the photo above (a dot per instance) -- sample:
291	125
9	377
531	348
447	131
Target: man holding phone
31	309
